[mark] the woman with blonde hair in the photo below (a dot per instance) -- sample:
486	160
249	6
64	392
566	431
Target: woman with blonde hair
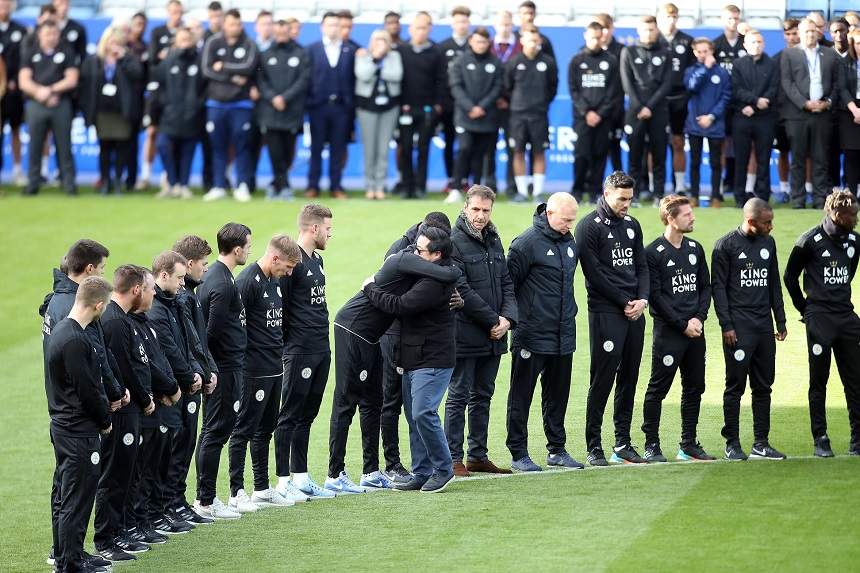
110	100
378	74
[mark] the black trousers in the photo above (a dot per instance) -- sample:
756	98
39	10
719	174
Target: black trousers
116	154
753	132
219	417
119	451
810	138
76	478
472	385
305	377
282	151
42	120
554	372
754	355
358	384
589	158
206	148
648	136
473	147
616	353
490	175
715	153
447	122
392	399
672	350
182	443
616	133
255	423
416	136
841	334
852	169
145	503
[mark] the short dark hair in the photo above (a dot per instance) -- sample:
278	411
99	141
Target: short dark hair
437	219
841	21
595	26
233	13
461	11
703	40
140	15
83	253
46	24
329	14
440	239
126	277
192	247
345	14
47	9
618	180
481	192
482	32
167	261
391	14
790	24
648	19
215	7
232	235
263	14
528	4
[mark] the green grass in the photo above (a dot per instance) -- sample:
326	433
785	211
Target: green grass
794	515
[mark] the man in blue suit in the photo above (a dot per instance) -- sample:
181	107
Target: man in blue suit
330	103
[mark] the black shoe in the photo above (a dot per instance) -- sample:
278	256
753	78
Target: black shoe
398	474
136	534
151	536
653	453
437	482
763	451
735	453
50	560
822	447
596	458
167	526
689	451
93	560
189	515
627	454
415	484
130	545
854	449
116	555
520	198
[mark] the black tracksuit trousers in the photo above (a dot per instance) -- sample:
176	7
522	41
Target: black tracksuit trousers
219	417
119	451
754	355
255	423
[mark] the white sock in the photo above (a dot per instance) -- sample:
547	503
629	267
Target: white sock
45	171
750	183
784	187
537	181
283	482
146	170
808	186
651	181
16	168
679	181
522	182
300	479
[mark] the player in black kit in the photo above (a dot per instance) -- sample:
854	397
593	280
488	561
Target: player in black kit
827	256
680	299
746	289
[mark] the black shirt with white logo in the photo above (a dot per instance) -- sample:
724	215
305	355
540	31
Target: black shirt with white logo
305	319
225	317
828	263
75	401
48	67
263	311
745	283
594	81
125	341
613	259
681	54
680	282
726	54
531	83
11	38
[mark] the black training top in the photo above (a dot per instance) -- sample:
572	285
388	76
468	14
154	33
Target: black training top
305	320
75	401
680	283
125	342
263	311
225	317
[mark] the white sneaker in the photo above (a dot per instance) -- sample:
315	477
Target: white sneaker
165	193
242	503
292	493
18	176
241	193
215	511
454	196
183	192
270	498
215	194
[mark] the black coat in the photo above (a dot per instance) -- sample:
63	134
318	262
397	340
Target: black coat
129	85
476	81
541	263
181	93
284	70
168	320
849	132
486	288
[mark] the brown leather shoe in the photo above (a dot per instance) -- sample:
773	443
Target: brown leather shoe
312	193
460	470
486	466
339	194
716	203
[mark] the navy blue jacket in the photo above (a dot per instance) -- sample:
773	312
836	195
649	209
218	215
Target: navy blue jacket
710	92
322	74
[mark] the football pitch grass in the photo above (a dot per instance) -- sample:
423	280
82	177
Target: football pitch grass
794	515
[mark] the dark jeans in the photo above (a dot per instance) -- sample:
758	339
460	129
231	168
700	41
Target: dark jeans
330	123
176	156
472	385
425	388
715	153
226	128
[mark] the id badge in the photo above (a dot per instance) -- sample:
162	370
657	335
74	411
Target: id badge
109	90
382	100
405	120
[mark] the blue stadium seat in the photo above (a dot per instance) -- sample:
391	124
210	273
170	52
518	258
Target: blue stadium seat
800	8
